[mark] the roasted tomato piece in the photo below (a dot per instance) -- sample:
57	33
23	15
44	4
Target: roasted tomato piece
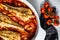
52	15
48	22
46	16
50	9
46	4
1	1
9	1
42	10
56	22
56	17
30	27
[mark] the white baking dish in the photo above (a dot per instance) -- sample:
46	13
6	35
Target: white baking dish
37	18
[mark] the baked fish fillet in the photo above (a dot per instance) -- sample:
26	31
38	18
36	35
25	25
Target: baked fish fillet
22	17
6	19
9	35
24	13
13	29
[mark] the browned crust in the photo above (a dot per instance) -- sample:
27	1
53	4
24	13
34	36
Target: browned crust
31	23
23	33
1	38
16	3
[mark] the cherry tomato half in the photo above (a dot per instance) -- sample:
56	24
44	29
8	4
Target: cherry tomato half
52	15
48	22
56	22
56	17
42	10
50	9
46	16
46	4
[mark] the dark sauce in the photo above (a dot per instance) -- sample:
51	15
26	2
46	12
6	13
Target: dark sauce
1	38
15	4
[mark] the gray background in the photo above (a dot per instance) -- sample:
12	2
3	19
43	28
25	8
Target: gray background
37	5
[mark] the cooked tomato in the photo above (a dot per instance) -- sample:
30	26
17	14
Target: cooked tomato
50	9
14	18
42	10
56	17
46	16
46	4
1	1
48	22
56	22
22	23
9	1
27	26
0	28
52	15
